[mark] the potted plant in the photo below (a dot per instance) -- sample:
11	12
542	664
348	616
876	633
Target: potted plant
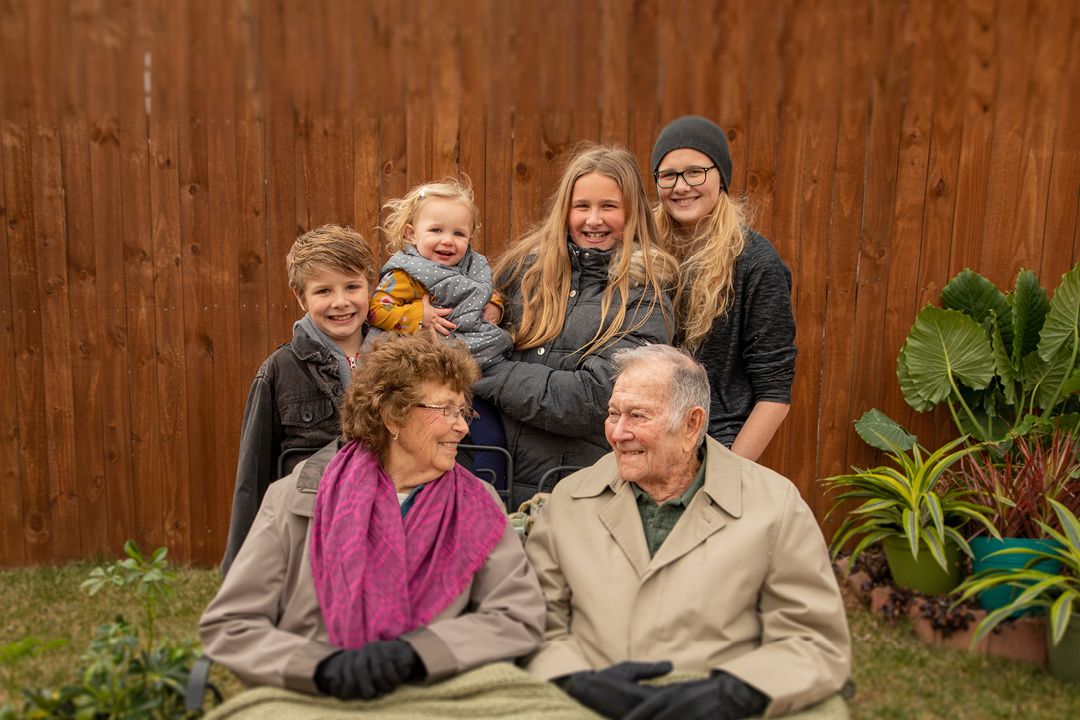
911	506
1001	363
1017	484
1058	592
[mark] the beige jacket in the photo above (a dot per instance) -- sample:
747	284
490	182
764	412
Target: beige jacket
742	584
265	624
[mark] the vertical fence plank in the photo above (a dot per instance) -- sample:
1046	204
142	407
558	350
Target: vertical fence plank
980	67
907	213
28	388
839	350
498	128
1063	202
471	33
810	269
1046	113
870	375
85	337
169	325
1015	27
51	247
198	298
12	502
138	268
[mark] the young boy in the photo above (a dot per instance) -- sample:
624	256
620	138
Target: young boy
293	402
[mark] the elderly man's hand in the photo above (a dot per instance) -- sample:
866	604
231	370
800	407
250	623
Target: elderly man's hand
720	697
613	691
370	672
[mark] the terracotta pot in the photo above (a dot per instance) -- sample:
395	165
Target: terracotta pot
923	574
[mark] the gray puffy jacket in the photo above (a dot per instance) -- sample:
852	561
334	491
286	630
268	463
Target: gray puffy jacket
553	403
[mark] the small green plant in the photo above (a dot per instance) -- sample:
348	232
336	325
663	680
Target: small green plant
124	672
1058	592
11	654
912	498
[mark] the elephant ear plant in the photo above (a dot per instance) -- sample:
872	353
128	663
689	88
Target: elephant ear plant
912	497
1001	363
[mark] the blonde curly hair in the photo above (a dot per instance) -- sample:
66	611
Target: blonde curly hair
404	211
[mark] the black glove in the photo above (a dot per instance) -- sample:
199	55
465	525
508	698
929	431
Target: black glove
613	691
720	697
370	672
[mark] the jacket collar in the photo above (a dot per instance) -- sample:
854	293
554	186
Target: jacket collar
719	501
307	349
308	474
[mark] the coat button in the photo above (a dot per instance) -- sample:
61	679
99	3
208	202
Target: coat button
540	351
573	293
307	416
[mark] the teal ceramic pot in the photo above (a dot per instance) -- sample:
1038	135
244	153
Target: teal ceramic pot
1064	658
923	574
983	549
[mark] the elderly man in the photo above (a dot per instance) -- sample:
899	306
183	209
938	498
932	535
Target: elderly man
672	552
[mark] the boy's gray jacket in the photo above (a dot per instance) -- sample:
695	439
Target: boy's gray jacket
292	405
265	624
467	288
553	402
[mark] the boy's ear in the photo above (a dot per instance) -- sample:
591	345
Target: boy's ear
300	300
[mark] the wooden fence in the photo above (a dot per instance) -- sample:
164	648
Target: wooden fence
159	156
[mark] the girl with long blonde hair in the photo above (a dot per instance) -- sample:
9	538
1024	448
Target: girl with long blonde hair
733	301
589	279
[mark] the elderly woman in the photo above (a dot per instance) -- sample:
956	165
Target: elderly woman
380	561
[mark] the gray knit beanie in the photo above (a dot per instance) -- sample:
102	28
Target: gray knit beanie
696	133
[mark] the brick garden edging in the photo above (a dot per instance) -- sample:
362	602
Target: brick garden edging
936	624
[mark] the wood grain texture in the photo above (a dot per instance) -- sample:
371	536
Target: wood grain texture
159	158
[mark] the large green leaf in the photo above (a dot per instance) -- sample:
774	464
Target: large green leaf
947	346
1029	307
1072	383
1007	368
1062	325
1060	614
879	430
907	387
972	294
1048	378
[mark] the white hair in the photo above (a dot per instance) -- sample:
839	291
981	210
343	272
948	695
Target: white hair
689	382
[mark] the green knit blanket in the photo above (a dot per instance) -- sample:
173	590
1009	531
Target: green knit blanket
499	690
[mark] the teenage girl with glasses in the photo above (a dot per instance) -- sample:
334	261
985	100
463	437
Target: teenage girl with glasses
733	302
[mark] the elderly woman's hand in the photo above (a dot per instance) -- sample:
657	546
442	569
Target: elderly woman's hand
370	672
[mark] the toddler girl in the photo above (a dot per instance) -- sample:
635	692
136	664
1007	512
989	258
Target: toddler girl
434	279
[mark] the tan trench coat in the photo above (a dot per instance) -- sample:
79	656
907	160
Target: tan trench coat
265	624
742	584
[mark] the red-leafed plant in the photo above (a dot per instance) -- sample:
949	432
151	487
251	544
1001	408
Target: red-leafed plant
1018	485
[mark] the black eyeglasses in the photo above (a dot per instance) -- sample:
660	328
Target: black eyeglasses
692	176
452	412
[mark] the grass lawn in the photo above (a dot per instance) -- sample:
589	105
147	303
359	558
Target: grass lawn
896	675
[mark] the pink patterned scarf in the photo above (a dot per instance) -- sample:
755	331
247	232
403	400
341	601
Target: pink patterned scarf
378	575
